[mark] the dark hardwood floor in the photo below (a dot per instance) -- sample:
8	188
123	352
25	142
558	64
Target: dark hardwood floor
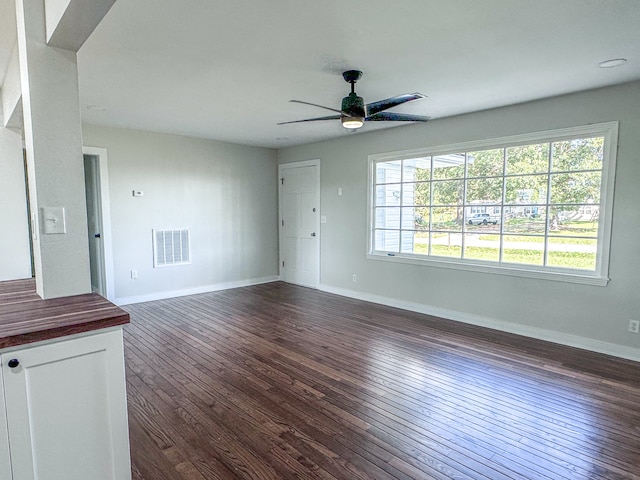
281	382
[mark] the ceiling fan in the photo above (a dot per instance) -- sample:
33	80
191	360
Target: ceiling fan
354	112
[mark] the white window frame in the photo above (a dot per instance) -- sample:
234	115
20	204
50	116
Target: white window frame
600	276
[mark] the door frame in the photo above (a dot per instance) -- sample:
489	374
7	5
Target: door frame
281	167
105	207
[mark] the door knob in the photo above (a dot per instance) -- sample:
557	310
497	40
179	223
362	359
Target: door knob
97	235
313	234
13	363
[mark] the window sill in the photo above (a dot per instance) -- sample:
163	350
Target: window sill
505	269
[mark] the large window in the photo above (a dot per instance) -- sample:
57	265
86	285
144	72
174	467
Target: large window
533	204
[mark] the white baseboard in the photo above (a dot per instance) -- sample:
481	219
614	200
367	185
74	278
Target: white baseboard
620	351
193	291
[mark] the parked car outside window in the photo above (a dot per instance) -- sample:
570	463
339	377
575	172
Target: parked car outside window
482	218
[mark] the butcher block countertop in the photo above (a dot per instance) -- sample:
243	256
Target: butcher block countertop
27	318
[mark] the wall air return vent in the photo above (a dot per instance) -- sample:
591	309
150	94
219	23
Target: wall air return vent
171	247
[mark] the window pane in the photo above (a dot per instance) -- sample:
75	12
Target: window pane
388	218
485	190
529	219
574	220
577	253
583	187
484	218
578	154
482	247
448	166
446	218
448	192
526	189
446	244
387	240
415	218
528	159
416	193
415	242
416	169
388	195
388	172
485	163
525	250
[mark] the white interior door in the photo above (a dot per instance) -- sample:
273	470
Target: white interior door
299	223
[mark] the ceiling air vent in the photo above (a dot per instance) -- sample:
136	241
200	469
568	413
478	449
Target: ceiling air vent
171	247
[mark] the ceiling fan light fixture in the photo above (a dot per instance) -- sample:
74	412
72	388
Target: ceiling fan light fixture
352	122
355	111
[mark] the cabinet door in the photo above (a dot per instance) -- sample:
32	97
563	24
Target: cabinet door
5	464
66	410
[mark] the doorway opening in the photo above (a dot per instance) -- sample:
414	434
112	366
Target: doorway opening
98	221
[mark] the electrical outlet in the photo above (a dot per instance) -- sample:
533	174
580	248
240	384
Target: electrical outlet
134	274
634	326
354	279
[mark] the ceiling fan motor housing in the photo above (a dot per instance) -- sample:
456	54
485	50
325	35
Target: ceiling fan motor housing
354	105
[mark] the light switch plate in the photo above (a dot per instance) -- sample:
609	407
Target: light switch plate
53	220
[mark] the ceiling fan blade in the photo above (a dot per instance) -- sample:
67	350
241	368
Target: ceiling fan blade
321	106
330	117
396	117
380	105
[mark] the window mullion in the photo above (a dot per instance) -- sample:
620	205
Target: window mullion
503	201
464	205
400	202
430	250
548	207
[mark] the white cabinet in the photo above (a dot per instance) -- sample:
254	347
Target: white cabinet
66	415
5	464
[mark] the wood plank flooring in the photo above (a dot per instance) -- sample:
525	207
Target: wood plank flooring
281	382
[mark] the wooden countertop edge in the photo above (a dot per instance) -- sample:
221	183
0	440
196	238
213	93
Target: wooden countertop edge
26	318
48	332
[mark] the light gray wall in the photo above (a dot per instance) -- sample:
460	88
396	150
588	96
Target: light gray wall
15	256
591	316
225	194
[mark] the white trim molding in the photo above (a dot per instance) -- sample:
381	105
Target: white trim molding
193	291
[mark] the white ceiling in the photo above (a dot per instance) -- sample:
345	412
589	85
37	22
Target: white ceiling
225	70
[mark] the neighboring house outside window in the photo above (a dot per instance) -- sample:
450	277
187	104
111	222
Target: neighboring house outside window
536	205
